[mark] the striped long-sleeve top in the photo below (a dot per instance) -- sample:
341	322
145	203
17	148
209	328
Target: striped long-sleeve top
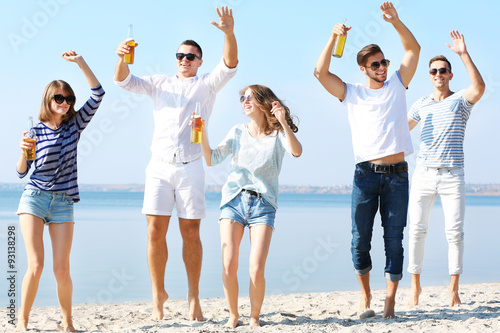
56	151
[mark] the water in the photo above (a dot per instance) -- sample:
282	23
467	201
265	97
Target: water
310	250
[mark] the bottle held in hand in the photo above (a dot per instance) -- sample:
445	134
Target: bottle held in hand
30	154
338	46
129	57
196	125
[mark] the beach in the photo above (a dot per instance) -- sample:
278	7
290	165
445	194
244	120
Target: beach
308	312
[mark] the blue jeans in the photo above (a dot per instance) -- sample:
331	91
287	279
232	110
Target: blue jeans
391	191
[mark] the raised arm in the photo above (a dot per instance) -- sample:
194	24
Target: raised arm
121	69
279	112
71	56
226	25
475	91
332	83
410	44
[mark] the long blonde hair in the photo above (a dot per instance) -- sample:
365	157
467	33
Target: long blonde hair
264	97
45	113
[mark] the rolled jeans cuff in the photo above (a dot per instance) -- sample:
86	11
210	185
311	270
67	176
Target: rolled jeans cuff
393	277
363	271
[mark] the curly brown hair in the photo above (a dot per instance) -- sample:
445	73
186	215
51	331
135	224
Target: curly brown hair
264	97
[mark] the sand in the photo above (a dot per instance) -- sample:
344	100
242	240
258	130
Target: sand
315	312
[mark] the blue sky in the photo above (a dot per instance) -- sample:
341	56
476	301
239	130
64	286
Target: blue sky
279	43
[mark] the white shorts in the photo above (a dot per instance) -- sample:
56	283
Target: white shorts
175	183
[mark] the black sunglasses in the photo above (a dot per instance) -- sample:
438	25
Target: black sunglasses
375	65
441	70
60	98
189	56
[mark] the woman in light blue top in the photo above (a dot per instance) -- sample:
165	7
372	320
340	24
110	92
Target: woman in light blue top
249	197
49	196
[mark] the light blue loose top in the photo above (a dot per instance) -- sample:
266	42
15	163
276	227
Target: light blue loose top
256	163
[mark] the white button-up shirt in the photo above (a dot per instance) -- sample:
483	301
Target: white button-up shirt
174	100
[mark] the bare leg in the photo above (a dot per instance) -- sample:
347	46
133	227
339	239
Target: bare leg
260	240
61	235
192	253
454	298
416	290
32	230
157	260
390	299
364	310
231	234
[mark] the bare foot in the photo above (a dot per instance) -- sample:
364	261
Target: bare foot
364	307
454	298
195	309
254	323
414	295
232	322
68	328
389	308
158	305
22	325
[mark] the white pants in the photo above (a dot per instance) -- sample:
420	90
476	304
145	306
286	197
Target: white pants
426	184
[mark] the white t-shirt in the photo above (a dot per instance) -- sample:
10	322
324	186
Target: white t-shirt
379	125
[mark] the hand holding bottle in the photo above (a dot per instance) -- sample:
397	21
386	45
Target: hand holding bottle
28	142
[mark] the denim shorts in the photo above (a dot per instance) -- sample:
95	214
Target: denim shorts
51	207
249	210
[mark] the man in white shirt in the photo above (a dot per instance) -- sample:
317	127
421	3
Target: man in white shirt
175	173
381	140
440	164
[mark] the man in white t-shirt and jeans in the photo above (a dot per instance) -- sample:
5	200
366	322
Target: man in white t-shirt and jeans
175	174
440	164
381	140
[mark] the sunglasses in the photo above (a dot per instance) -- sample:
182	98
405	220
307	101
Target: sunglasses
189	56
60	98
376	65
441	70
245	98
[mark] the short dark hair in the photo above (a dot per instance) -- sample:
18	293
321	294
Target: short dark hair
366	52
193	43
440	58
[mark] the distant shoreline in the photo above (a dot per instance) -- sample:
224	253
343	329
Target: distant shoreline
471	189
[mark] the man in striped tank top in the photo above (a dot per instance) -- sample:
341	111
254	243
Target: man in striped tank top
440	163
